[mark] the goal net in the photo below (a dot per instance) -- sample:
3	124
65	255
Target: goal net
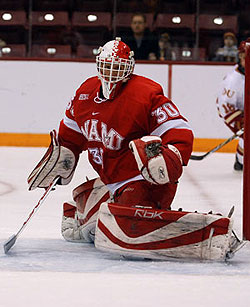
246	169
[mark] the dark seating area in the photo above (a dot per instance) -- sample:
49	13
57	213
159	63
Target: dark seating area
81	26
51	51
18	50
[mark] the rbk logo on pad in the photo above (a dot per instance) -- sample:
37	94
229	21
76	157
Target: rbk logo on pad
148	214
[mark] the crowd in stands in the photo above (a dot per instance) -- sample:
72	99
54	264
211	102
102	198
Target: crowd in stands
229	51
163	30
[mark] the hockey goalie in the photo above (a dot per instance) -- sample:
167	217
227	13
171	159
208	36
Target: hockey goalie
138	143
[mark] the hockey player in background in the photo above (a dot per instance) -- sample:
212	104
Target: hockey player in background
138	143
230	102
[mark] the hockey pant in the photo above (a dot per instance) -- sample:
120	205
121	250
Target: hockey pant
143	193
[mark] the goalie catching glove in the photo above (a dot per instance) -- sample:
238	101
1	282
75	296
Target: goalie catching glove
57	161
158	164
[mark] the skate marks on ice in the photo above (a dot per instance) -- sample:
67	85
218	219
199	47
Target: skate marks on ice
6	188
57	255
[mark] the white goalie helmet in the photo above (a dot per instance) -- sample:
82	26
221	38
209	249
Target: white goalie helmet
115	63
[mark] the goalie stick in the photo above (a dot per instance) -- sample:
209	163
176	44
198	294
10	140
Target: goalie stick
12	240
237	134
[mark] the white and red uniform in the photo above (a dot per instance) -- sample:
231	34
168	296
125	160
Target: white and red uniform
230	104
105	127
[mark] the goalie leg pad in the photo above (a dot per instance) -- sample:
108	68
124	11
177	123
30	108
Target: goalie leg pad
70	227
79	222
161	234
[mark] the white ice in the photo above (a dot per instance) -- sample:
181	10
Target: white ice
44	270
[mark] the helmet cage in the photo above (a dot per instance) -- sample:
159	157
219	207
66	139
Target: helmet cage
115	63
114	69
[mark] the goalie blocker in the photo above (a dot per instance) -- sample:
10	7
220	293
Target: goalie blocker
58	161
160	234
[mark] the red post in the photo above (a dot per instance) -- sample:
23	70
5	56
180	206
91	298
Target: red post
246	169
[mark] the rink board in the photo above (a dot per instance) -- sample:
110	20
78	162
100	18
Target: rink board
35	102
43	140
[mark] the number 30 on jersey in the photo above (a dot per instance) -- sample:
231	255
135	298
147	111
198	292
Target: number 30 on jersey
164	112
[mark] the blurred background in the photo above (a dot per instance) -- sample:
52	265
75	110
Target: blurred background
177	30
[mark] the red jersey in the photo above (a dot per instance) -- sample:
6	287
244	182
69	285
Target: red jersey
105	127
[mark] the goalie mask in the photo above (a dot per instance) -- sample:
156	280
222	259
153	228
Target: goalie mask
115	63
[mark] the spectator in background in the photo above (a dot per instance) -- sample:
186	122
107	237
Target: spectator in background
140	39
229	52
165	49
2	43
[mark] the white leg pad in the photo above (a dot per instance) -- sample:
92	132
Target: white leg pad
79	219
72	230
160	234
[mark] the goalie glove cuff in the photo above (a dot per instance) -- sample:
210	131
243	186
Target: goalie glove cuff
57	161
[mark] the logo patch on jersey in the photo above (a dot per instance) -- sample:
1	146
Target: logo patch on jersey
84	97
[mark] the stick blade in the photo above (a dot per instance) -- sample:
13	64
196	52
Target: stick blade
9	243
231	212
196	157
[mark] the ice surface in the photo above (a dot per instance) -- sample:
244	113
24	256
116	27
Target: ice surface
44	270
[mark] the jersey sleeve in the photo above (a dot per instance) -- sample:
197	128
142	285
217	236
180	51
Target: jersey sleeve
167	122
70	134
